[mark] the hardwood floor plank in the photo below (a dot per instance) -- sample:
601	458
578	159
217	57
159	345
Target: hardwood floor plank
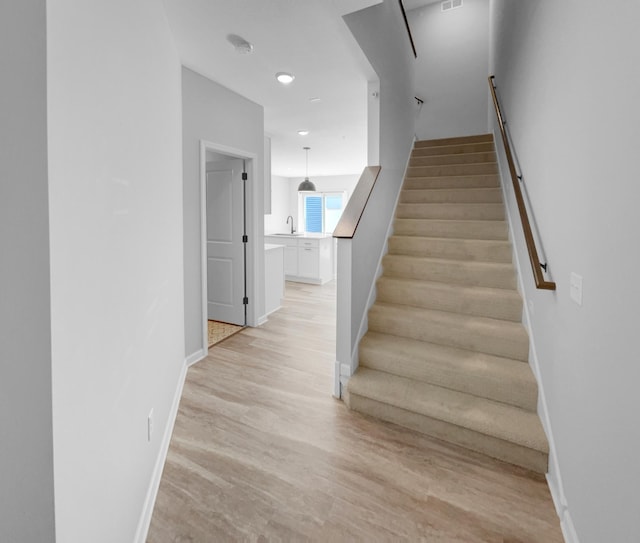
262	452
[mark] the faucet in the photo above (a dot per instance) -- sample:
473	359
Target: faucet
292	228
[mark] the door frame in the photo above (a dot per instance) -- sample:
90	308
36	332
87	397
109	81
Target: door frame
251	160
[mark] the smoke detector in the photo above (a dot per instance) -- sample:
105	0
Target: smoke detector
241	45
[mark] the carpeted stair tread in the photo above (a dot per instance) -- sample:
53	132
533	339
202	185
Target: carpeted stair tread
466	158
494	303
461	140
453	211
484	250
500	379
453	169
495	419
497	448
452	182
461	229
491	336
464	272
454	149
452	195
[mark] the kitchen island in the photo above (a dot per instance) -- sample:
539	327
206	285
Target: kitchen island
308	258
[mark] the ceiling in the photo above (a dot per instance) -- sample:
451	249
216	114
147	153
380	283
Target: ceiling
304	37
307	38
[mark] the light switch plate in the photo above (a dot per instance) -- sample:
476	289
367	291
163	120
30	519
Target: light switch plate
575	288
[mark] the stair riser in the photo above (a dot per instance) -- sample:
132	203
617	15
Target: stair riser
480	138
454	249
507	306
490	212
453	149
479	379
452	182
448	196
473	336
452	229
463	273
456	169
467	158
496	448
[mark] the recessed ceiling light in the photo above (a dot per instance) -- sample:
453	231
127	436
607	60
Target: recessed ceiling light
303	132
285	78
316	99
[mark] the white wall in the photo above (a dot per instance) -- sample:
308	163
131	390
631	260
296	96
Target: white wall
26	447
452	68
276	221
116	258
567	76
215	114
393	61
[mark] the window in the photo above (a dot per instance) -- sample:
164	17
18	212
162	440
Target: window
321	211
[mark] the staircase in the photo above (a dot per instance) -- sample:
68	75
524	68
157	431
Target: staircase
446	353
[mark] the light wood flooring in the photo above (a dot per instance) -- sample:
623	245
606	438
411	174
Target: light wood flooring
262	452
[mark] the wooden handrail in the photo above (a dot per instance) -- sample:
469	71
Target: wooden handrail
406	22
536	265
348	223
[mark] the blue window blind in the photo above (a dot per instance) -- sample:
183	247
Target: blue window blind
313	213
332	211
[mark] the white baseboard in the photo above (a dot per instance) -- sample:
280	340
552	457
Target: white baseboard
154	485
566	522
196	357
568	529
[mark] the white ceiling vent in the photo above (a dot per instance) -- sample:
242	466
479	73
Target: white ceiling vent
450	4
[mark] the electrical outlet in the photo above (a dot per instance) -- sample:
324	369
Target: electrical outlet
150	425
575	288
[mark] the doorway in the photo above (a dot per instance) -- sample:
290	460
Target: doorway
225	175
226	232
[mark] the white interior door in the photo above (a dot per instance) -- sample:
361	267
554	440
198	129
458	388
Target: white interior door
225	247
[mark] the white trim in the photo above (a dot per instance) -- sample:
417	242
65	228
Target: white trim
554	478
152	492
252	291
197	356
568	529
337	388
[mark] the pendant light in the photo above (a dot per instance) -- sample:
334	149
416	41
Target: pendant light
306	185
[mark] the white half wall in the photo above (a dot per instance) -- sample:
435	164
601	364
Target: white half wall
451	68
393	61
26	446
115	182
219	116
567	76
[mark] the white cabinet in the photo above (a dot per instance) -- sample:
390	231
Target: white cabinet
273	277
308	262
291	260
306	259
